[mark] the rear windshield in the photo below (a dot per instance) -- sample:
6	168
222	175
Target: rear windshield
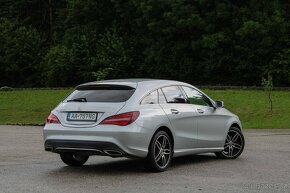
101	93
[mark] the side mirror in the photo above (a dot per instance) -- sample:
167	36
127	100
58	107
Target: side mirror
219	104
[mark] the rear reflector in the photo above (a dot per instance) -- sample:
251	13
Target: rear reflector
121	119
52	119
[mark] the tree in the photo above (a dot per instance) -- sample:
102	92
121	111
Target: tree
201	42
267	83
21	52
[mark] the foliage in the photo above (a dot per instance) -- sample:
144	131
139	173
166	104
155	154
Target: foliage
21	50
102	74
112	59
57	69
202	42
268	87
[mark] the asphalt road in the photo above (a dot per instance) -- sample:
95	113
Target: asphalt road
26	167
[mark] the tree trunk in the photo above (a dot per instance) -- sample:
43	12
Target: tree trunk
50	17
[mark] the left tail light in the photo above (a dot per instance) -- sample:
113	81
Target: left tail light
121	119
52	119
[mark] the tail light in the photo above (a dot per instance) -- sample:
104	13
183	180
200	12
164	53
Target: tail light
52	119
121	119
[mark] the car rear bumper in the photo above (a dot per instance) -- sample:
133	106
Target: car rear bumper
85	147
110	140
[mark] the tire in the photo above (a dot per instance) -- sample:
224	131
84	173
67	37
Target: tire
234	144
160	152
72	159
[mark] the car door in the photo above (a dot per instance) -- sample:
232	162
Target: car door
210	122
180	114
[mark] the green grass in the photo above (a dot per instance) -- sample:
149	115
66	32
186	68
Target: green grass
28	106
253	107
33	106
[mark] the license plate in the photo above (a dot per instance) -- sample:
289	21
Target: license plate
81	116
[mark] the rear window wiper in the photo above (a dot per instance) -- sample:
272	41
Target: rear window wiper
77	100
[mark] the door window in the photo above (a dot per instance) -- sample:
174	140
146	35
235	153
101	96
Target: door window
173	94
196	97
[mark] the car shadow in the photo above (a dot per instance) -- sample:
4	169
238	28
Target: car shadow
192	160
129	166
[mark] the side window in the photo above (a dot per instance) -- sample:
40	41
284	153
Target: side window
196	97
161	97
151	98
173	94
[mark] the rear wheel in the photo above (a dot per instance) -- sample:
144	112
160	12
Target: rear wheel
160	152
234	144
73	159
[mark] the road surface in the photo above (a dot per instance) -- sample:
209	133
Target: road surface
26	167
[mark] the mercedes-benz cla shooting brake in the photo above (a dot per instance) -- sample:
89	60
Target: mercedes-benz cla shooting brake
141	118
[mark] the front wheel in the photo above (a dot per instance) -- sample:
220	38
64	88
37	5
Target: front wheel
73	159
234	144
160	152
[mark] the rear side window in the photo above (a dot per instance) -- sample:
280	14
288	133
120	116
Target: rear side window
151	98
173	94
101	93
161	97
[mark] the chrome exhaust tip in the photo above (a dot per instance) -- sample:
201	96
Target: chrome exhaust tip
113	153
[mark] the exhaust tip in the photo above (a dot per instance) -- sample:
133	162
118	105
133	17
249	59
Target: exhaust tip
113	153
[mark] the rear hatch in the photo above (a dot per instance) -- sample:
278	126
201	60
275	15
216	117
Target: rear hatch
88	105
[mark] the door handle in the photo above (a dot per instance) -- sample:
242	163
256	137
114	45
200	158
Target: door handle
200	111
174	111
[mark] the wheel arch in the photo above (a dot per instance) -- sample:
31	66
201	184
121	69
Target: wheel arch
233	122
237	126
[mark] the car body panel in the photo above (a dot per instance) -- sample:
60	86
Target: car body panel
211	133
183	124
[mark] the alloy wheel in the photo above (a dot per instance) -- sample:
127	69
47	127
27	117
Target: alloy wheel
233	145
162	151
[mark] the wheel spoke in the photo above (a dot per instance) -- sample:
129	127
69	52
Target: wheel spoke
164	142
163	160
159	155
237	146
235	137
158	145
230	151
228	137
166	151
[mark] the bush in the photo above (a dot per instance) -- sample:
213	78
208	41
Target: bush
21	51
57	69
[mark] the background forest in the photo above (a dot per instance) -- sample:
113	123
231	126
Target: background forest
62	43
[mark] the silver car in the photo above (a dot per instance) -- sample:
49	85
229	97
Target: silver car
141	118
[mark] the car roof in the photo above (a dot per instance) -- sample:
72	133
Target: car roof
133	82
145	85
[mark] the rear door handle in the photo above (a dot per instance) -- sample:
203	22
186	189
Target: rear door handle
174	111
200	111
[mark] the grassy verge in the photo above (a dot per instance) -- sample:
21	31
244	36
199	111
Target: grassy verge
253	107
33	106
28	106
